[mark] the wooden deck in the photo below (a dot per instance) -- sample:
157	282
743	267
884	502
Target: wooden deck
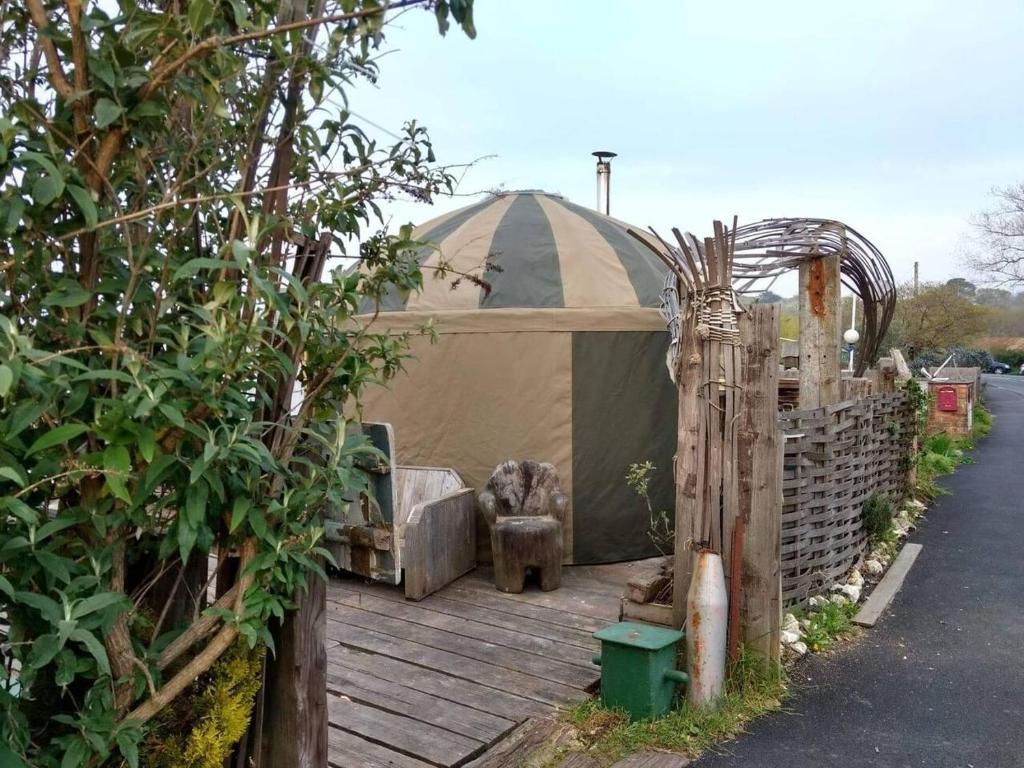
439	682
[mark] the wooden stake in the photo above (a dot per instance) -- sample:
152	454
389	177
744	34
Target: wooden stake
759	470
819	332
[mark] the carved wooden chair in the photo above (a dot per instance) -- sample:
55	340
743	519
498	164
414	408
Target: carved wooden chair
524	507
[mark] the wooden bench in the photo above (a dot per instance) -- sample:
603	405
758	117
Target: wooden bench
417	525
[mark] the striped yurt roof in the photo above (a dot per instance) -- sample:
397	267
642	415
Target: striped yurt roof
535	250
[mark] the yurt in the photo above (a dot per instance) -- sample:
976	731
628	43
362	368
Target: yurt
561	360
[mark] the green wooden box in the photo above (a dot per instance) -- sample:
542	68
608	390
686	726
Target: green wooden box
638	668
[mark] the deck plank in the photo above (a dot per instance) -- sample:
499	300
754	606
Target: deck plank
443	603
440	684
347	750
401	734
509	638
502	679
384	694
598	604
497	655
445	680
466	592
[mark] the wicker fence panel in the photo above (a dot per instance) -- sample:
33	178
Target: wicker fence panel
834	459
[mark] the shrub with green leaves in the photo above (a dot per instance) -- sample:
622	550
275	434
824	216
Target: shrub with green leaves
173	369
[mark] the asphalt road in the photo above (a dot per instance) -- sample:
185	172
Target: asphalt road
939	681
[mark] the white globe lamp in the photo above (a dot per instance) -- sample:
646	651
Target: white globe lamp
851	336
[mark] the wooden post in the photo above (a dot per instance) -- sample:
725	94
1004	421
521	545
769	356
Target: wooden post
759	468
690	458
294	729
819	332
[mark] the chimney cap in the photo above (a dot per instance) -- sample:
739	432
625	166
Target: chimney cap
602	154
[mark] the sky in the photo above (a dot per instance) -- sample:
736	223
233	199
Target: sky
897	118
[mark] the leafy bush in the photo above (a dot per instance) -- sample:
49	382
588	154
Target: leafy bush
174	369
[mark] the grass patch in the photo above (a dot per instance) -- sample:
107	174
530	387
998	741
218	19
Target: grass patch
751	691
828	624
940	454
877	517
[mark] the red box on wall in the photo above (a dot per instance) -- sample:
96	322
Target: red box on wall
947	399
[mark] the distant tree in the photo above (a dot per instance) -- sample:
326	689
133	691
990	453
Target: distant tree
769	297
936	318
964	288
998	253
994	297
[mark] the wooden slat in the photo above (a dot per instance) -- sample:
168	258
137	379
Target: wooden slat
586	614
439	542
347	750
498	656
384	694
492	599
520	641
401	734
439	604
440	684
499	678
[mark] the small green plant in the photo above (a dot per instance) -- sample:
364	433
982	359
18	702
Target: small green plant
877	517
660	525
752	690
828	624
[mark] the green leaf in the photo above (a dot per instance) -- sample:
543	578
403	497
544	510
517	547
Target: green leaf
118	464
150	108
186	539
12	474
195	503
6	379
193	266
43	650
129	749
95	603
239	511
259	524
85	204
68	294
45	605
52	527
107	111
200	13
15	210
65	668
116	457
6	587
20	510
54	565
147	443
47	189
173	415
57	436
95	647
9	759
75	754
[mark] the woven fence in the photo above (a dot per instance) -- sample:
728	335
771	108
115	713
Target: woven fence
835	458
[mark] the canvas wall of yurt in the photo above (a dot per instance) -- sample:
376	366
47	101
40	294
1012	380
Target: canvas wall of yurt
561	358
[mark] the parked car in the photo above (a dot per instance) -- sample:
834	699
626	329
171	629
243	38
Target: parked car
997	367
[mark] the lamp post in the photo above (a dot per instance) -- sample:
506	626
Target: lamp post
851	337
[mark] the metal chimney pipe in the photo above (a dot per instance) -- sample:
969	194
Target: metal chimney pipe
604	180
